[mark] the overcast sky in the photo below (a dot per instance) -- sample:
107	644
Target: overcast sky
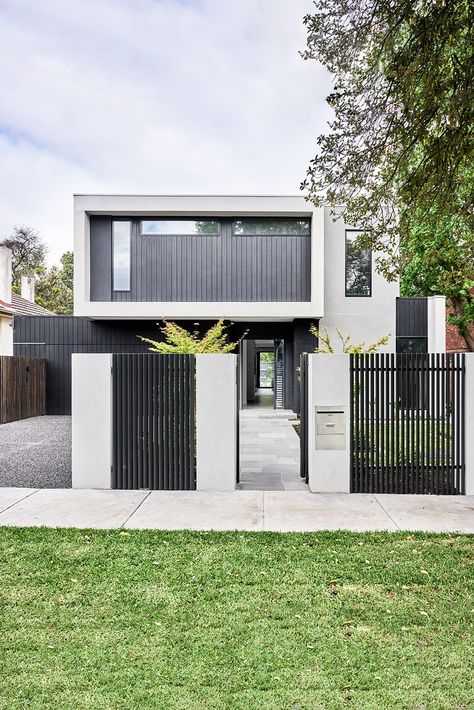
151	96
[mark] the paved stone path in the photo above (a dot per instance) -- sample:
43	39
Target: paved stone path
280	511
269	451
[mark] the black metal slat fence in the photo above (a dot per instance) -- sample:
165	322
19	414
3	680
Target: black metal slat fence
154	422
304	469
407	423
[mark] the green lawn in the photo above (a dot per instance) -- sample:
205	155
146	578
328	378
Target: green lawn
235	620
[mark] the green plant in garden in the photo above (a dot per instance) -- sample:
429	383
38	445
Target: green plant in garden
180	340
326	344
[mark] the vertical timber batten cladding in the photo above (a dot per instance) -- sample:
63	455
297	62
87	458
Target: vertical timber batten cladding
22	388
408	423
153	422
225	267
55	338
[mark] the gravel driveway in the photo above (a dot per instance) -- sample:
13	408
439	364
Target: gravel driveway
36	452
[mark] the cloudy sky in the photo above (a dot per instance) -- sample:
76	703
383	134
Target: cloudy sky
151	96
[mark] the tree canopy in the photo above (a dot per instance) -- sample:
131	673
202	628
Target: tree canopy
399	154
28	252
54	287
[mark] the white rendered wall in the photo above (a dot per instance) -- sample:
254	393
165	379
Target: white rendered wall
328	385
469	423
6	335
216	422
365	319
91	420
436	324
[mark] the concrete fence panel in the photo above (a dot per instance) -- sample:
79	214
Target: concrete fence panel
91	420
216	422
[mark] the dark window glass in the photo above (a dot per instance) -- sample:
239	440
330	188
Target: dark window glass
412	345
180	227
121	255
270	227
358	267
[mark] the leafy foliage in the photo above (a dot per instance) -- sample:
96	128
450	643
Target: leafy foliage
28	253
326	345
400	149
54	288
180	340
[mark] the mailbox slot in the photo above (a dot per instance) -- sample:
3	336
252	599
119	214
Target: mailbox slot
330	428
328	423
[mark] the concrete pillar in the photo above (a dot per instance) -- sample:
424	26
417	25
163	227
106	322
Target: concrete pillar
216	422
469	423
91	420
28	287
329	389
436	324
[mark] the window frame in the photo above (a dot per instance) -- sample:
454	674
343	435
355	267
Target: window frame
269	218
346	293
179	219
130	222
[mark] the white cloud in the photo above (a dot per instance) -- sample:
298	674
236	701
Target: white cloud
188	96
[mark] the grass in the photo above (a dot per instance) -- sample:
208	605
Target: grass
110	619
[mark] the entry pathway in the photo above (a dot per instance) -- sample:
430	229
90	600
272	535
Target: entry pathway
269	451
243	510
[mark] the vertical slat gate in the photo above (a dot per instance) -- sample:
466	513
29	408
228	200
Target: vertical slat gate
153	422
407	423
304	471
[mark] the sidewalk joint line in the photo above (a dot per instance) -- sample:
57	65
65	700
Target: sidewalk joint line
20	500
386	512
135	510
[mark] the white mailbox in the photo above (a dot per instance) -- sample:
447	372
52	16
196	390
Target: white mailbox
330	428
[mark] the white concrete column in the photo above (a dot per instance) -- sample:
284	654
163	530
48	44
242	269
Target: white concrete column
216	422
469	423
91	420
436	324
329	388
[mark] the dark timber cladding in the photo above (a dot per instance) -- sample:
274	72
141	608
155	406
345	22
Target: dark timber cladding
412	317
154	422
407	423
222	267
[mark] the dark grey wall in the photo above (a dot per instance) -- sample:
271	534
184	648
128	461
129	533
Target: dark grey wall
412	317
226	267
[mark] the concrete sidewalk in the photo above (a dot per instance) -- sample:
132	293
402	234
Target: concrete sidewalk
243	510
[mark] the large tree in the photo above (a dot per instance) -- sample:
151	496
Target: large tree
54	287
399	155
28	252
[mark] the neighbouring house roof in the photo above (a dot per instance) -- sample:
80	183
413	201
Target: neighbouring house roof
23	307
6	309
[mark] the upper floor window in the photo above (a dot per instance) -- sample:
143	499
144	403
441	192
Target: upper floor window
272	227
180	227
358	266
121	254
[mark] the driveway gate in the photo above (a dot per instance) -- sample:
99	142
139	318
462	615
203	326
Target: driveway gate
407	423
153	422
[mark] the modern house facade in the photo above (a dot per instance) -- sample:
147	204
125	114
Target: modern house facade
270	265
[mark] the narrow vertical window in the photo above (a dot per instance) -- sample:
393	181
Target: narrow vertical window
358	267
121	255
